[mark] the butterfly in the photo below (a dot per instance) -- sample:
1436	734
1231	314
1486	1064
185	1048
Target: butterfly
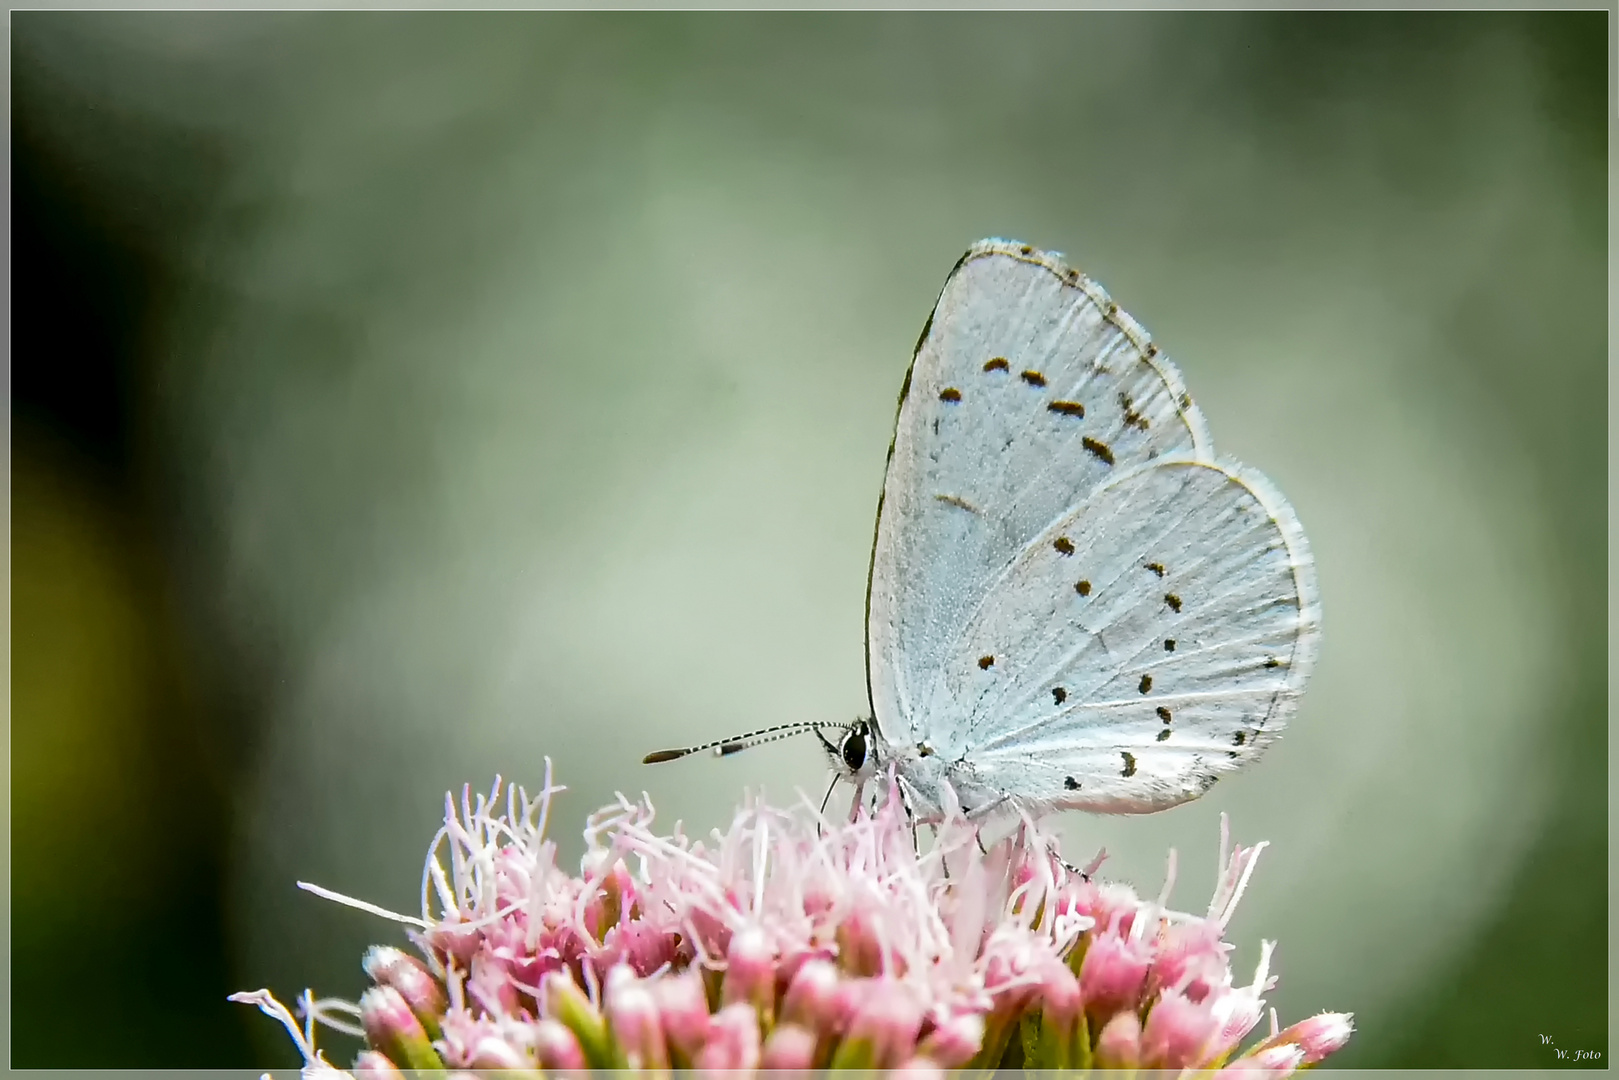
1073	602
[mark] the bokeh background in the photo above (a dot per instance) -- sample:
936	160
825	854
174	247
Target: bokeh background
400	399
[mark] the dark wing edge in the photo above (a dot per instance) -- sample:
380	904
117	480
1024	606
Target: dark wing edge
1307	646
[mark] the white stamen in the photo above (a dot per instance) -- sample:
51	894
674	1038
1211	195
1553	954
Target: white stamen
362	905
1169	881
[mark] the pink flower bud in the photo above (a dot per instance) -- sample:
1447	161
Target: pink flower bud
882	1032
496	1053
1271	1063
1113	905
750	971
1113	973
860	950
387	966
809	997
1189	958
645	948
1177	1032
733	1040
1244	1013
683	1007
371	1065
789	1047
954	1042
632	1016
1320	1035
392	1028
1119	1044
555	1046
1059	994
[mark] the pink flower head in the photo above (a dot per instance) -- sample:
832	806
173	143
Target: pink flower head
788	941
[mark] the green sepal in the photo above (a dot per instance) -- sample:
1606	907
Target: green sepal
415	1052
570	1006
1048	1043
1079	1051
855	1054
997	1033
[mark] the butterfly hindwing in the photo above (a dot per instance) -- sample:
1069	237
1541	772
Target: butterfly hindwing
1181	658
1029	391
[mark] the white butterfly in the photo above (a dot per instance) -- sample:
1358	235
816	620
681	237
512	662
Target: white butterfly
1072	602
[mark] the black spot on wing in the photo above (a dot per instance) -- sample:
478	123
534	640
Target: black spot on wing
1099	448
1059	695
997	364
1063	545
1156	567
1067	408
1070	783
1131	417
1145	684
1082	587
1129	763
1034	378
1163	734
1172	600
1164	714
950	393
1169	644
986	662
1240	738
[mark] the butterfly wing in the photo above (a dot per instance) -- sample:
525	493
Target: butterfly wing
1156	636
1029	391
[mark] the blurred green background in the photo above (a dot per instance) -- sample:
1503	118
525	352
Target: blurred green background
399	399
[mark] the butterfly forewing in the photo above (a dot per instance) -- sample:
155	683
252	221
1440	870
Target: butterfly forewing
1029	391
1181	660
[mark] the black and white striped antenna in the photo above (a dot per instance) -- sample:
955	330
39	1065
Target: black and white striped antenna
738	743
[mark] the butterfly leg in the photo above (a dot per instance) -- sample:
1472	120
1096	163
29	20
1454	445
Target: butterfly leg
1086	872
821	815
979	814
910	818
1072	869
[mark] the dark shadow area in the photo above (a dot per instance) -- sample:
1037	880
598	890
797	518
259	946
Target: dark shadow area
119	812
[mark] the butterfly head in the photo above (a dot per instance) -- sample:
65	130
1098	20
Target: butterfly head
854	754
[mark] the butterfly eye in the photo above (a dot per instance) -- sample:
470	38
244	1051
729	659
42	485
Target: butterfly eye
854	748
